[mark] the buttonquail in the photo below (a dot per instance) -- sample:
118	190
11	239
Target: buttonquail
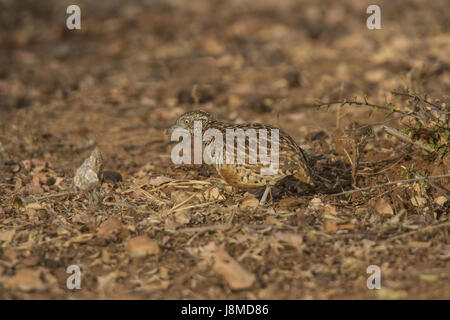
292	159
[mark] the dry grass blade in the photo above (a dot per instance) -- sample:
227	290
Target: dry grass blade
434	184
168	184
183	202
217	227
56	195
427	228
200	205
390	183
153	198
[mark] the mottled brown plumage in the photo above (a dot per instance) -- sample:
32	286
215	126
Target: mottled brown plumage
292	159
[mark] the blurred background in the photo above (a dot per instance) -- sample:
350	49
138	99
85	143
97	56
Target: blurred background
134	66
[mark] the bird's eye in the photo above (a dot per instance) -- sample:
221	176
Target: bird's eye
186	121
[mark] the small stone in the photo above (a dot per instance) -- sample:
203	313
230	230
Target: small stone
315	203
315	206
89	174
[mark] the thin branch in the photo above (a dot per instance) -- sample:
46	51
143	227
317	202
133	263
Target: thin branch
434	184
417	98
427	228
404	137
360	103
377	186
55	195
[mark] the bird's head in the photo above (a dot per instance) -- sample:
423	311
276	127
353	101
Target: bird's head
186	121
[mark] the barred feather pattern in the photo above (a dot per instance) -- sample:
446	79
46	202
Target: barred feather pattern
292	160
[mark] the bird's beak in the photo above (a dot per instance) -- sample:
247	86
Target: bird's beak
172	129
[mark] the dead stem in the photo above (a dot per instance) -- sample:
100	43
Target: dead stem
390	183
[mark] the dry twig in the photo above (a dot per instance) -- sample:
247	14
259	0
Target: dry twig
404	137
390	183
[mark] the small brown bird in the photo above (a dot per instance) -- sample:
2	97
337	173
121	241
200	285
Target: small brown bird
292	160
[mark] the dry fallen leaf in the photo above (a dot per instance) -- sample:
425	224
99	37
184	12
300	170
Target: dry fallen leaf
34	206
29	280
441	200
291	238
368	243
106	283
271	220
155	286
383	207
287	203
182	217
179	196
170	224
330	209
157	181
79	239
250	202
7	236
234	274
109	229
142	246
418	201
419	244
212	194
333	225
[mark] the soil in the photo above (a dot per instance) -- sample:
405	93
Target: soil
156	230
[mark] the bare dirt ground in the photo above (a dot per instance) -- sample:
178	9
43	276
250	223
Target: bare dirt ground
168	231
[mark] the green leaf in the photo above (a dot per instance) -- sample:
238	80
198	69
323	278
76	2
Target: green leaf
18	203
